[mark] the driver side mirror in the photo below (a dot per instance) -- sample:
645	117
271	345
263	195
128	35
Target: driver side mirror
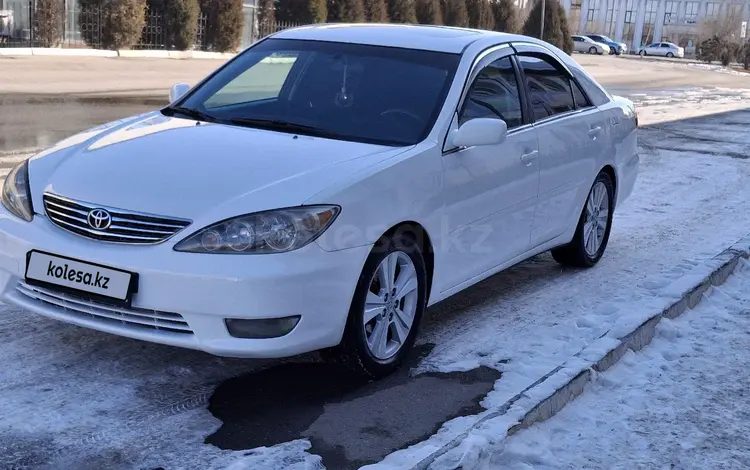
479	131
178	91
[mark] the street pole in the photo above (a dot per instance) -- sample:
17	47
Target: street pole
541	29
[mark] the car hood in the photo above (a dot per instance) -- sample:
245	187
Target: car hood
184	168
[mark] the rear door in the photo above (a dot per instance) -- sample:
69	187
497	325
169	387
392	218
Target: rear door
572	139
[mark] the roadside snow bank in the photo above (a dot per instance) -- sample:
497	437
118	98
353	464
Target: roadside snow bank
679	403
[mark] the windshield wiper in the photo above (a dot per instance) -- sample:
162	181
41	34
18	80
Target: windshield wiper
191	112
281	125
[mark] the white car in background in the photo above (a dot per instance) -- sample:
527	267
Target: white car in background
587	45
319	191
663	49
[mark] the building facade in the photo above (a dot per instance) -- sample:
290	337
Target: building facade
641	22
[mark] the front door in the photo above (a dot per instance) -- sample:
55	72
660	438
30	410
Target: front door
490	191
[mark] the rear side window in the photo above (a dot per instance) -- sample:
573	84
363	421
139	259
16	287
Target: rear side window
549	88
580	98
595	94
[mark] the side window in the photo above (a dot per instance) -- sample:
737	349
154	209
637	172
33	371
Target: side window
665	45
262	81
580	98
549	88
596	94
494	94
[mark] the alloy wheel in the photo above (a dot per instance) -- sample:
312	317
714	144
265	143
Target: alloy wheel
597	217
390	305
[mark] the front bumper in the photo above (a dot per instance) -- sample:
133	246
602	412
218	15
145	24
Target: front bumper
192	292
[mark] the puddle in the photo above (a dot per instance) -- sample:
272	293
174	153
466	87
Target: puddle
349	421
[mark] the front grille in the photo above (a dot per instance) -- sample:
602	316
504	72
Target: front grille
132	317
125	227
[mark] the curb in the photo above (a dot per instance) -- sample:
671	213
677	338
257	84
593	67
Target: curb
567	381
144	53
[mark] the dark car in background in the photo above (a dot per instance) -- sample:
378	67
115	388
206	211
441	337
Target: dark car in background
615	47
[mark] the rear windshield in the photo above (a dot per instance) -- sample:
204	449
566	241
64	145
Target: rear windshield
381	95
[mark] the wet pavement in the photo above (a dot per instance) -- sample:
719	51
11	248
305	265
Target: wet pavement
349	421
29	121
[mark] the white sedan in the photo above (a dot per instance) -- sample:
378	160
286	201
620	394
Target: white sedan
663	49
586	44
319	191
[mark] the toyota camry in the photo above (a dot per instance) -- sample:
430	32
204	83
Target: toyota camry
318	191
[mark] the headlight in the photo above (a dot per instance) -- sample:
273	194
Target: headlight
16	194
274	231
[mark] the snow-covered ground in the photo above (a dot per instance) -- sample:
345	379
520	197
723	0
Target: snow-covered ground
680	403
73	398
716	68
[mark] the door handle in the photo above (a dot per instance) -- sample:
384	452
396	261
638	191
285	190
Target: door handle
594	131
528	158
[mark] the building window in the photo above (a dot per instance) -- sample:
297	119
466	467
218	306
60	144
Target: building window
712	9
735	11
630	13
610	18
691	12
648	23
670	13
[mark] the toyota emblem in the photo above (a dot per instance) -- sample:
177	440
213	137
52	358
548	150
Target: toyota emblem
99	219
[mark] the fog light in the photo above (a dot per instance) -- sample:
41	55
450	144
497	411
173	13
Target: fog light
260	328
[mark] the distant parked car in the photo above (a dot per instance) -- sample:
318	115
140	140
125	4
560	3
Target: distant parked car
585	44
614	46
663	49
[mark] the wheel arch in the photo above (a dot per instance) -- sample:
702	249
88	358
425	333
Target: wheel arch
610	170
420	235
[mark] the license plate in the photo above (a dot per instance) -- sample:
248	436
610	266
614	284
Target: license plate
78	275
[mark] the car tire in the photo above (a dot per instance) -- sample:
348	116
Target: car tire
642	53
356	350
592	50
580	252
612	51
670	55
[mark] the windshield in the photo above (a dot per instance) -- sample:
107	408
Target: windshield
372	94
605	39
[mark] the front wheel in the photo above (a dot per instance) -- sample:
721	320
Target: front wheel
642	53
592	50
387	307
592	233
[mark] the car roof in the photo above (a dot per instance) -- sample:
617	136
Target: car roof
424	37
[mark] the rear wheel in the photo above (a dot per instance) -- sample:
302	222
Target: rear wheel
592	50
670	55
386	309
592	233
